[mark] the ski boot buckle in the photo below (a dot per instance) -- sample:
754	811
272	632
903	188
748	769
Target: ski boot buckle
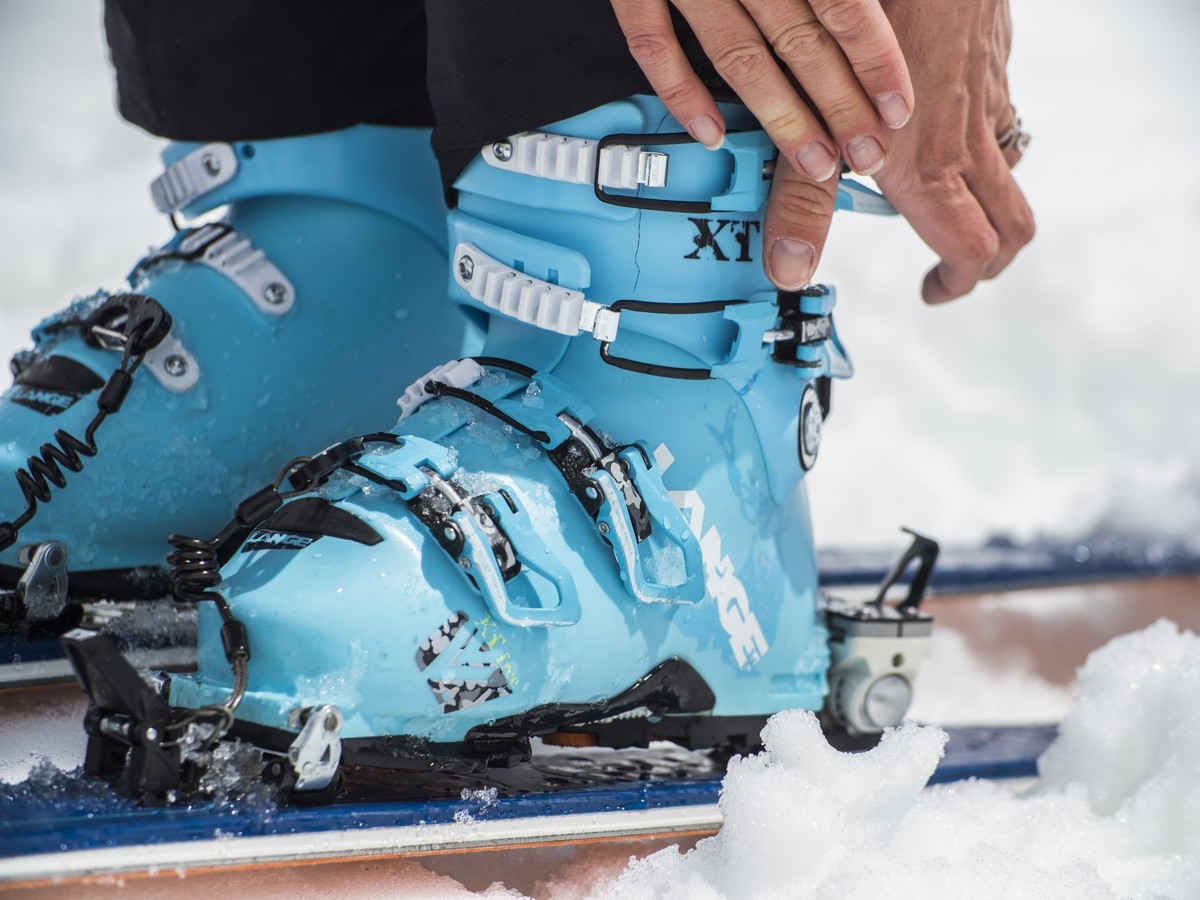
489	536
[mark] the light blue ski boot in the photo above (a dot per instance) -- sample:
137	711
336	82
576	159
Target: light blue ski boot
596	531
290	321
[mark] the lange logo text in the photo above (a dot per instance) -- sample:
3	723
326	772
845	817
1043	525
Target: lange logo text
746	638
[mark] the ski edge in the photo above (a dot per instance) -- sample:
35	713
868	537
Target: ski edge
62	868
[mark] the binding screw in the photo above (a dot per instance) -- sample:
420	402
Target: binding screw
331	722
602	528
152	734
211	164
466	267
175	366
502	150
275	293
464	562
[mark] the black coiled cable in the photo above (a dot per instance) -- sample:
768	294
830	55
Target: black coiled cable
144	324
46	468
195	568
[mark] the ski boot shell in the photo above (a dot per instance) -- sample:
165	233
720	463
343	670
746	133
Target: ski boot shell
287	323
596	531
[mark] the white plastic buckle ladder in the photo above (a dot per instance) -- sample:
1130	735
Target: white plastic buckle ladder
574	160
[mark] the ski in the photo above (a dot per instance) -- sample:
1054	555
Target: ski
1003	564
62	826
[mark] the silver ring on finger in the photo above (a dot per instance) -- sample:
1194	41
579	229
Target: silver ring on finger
1014	137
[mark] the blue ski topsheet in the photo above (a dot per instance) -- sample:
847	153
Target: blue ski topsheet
55	811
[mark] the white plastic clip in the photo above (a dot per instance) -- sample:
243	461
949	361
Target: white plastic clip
531	300
573	160
193	176
459	373
245	265
174	367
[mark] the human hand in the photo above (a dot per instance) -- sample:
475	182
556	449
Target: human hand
947	173
843	54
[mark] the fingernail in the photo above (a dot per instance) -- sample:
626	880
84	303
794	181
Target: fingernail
866	156
893	109
817	161
932	291
707	132
790	263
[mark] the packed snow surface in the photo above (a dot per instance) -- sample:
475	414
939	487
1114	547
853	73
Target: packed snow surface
1116	812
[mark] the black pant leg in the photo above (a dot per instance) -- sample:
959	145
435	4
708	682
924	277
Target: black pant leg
257	69
504	66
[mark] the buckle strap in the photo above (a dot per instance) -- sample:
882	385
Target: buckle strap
528	299
621	162
798	326
578	160
188	179
223	250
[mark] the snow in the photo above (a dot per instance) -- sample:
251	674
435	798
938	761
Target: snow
1116	812
40	727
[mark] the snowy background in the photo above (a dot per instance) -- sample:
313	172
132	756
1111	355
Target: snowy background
1058	399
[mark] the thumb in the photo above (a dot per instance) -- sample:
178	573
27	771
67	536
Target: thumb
797	222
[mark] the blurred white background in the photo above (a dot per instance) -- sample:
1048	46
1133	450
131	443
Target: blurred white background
1060	398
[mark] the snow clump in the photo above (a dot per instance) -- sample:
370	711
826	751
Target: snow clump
1116	812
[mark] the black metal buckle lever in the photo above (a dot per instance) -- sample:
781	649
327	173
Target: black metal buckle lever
798	329
670	309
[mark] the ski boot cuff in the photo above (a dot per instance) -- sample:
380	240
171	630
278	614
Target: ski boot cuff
391	170
327	264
